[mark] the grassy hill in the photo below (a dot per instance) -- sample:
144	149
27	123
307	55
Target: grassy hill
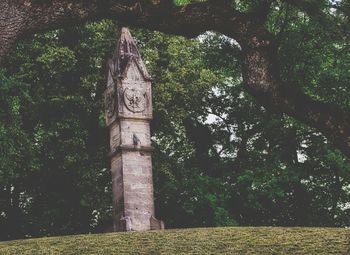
235	240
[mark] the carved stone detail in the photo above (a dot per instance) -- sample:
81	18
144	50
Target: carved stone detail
135	100
125	223
156	224
110	97
110	104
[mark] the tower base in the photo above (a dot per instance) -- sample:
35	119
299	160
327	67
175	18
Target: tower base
125	224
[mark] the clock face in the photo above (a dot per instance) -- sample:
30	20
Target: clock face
135	100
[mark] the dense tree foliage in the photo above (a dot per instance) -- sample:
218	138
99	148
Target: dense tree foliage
221	158
247	21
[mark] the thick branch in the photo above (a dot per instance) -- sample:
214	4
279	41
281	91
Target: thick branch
25	16
12	21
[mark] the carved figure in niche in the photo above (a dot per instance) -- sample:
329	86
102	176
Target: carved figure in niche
134	100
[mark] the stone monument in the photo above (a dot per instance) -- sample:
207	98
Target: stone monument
128	104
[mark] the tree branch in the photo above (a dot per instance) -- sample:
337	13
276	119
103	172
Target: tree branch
21	17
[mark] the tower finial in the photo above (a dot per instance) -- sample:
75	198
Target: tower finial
126	47
126	51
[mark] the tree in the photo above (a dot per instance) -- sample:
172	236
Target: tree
54	176
247	166
243	21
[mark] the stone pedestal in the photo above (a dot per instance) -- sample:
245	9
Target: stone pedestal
128	102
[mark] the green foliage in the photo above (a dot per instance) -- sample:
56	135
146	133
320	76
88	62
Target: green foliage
57	60
66	189
186	2
181	2
314	55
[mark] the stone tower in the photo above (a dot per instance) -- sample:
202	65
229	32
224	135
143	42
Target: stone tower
128	102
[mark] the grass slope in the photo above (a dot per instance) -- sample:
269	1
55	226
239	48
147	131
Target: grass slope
235	240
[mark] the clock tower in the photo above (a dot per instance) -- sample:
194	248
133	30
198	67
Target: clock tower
128	103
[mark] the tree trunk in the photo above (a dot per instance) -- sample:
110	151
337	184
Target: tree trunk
12	22
261	79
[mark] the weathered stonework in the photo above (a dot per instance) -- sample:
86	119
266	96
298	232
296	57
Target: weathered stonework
128	104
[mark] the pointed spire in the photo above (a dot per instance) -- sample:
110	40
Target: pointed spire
126	51
126	47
